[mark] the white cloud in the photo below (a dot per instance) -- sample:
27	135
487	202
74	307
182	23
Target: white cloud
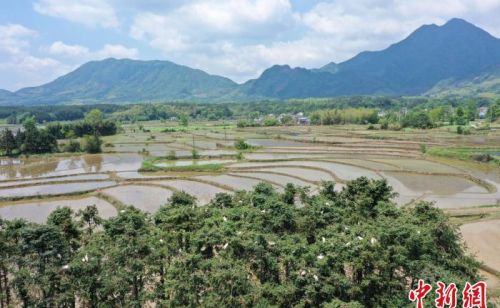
18	68
203	21
59	48
14	37
115	51
82	53
91	13
241	38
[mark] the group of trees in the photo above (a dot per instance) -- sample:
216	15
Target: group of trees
353	248
30	140
93	124
439	110
344	116
34	140
44	114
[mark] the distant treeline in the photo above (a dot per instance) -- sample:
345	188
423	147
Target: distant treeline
17	114
34	140
249	111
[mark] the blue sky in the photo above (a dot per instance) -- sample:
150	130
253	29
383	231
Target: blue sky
43	39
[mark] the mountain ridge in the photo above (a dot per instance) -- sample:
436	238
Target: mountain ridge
430	58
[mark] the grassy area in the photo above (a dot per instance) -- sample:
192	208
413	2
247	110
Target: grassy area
485	155
149	166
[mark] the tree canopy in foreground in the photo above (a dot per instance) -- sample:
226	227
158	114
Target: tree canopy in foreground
352	248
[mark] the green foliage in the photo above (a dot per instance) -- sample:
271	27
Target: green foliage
423	148
181	198
271	121
183	120
344	116
94	117
484	154
195	154
150	165
92	144
171	155
242	145
7	142
30	141
417	120
353	248
72	146
494	111
245	123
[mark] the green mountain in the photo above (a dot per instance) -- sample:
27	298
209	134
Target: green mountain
413	66
485	85
6	96
456	58
121	81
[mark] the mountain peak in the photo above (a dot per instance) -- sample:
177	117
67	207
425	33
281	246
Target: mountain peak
456	50
458	21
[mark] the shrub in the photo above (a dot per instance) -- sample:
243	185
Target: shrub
171	155
423	148
195	154
72	146
92	144
241	145
483	157
181	198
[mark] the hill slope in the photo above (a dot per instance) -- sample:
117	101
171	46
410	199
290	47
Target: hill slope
487	85
126	80
432	59
413	66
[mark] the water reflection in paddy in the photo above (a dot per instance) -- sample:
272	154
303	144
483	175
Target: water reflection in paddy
33	167
83	177
275	178
345	172
146	198
202	191
307	174
39	211
435	184
53	189
237	183
277	143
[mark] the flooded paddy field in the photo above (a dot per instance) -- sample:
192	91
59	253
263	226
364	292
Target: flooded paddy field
146	198
299	155
52	189
38	211
483	240
32	187
202	191
273	178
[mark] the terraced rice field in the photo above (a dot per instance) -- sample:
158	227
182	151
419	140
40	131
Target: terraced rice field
483	240
39	210
32	187
303	156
